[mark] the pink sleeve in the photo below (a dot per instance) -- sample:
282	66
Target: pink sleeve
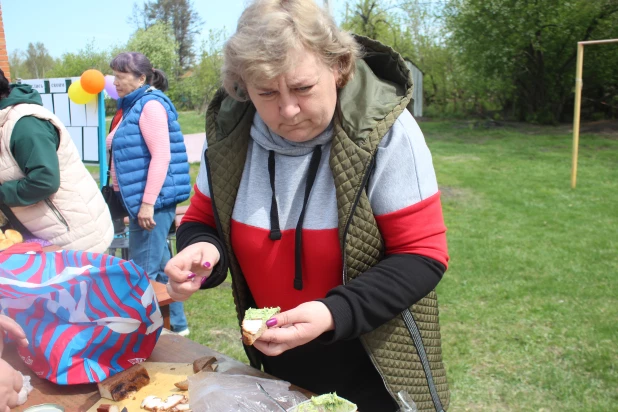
153	125
112	172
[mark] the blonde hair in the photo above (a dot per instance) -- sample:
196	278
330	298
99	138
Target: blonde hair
267	32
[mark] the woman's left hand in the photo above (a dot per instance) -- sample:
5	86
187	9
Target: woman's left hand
295	327
145	217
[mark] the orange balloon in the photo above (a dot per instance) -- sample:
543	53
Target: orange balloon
92	81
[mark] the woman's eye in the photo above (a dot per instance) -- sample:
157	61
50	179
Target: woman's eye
304	89
267	94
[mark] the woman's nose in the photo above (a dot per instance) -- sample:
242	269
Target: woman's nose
288	106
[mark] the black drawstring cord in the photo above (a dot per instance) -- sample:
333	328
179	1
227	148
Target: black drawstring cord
275	231
314	163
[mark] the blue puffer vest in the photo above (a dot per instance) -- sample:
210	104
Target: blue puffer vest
132	158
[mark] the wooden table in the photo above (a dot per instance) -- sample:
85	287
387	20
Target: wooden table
170	348
164	300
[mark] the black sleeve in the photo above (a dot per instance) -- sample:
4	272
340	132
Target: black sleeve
380	294
193	232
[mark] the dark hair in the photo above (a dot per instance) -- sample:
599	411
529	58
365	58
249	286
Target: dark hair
4	86
138	64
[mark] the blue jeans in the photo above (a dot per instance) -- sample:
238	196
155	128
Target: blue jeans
149	250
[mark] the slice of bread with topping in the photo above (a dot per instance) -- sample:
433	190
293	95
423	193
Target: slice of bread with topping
254	323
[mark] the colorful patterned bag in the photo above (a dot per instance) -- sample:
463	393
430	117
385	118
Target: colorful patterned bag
87	316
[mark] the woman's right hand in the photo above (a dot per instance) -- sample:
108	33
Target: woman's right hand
188	268
8	325
11	382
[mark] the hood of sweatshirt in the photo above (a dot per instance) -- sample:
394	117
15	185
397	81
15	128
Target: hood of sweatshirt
21	93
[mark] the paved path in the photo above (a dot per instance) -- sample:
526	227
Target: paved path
195	144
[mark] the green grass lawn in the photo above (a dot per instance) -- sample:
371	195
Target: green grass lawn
190	122
530	301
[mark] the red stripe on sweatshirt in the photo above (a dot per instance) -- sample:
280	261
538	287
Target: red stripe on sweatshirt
268	265
417	229
200	209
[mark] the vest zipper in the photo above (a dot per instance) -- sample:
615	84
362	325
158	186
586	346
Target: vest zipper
364	182
406	314
56	212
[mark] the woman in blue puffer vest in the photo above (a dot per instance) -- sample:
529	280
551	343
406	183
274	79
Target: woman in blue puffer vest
149	165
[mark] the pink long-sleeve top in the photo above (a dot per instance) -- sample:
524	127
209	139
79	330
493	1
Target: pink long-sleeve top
153	125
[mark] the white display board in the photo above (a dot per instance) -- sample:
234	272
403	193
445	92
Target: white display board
81	120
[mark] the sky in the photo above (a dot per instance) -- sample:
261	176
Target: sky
67	26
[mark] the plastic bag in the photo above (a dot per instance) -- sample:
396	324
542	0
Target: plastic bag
87	316
406	400
230	393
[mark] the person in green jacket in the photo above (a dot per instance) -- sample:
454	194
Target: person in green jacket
46	192
31	143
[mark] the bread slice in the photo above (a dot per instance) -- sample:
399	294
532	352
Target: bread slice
6	243
13	235
124	384
205	362
107	408
254	323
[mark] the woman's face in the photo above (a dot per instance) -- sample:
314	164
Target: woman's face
299	104
127	82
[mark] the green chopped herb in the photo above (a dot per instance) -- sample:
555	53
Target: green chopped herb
261	314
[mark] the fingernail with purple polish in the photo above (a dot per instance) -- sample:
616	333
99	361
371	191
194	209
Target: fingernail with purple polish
271	322
206	265
191	276
204	279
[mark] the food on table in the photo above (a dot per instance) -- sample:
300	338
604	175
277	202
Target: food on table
328	402
107	408
205	363
124	384
13	235
172	403
183	386
5	244
9	238
26	388
254	323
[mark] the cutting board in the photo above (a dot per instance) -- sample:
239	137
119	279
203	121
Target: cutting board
163	376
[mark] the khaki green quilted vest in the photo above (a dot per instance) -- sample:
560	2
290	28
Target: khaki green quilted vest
407	350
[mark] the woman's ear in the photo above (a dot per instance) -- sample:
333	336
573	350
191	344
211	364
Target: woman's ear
337	75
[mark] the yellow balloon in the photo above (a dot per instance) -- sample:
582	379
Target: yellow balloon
78	95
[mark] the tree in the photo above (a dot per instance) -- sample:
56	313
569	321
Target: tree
529	47
197	87
17	63
181	17
158	44
74	64
37	60
414	29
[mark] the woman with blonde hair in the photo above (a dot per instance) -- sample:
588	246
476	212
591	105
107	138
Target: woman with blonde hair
317	192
